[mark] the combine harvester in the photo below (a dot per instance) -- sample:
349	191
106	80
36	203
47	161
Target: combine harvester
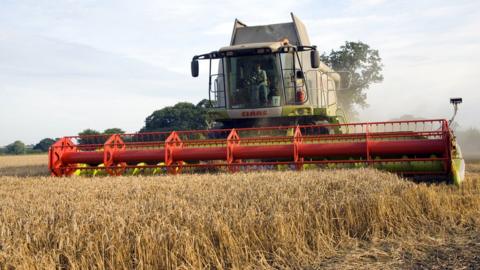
275	107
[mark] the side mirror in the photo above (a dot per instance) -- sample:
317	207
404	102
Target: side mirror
315	59
194	67
299	74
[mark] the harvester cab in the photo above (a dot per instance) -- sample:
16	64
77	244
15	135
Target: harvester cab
270	75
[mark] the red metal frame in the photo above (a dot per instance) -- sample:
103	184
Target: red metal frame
113	145
55	154
237	149
233	140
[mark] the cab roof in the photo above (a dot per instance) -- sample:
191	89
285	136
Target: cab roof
294	31
272	46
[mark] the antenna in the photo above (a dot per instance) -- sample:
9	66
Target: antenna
454	102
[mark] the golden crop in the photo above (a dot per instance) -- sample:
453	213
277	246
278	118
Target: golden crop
312	219
24	165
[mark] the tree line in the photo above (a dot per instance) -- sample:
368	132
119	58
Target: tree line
20	148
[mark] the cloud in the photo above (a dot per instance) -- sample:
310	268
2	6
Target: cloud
52	88
363	3
220	29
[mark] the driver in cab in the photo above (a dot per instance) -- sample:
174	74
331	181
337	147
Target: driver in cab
260	93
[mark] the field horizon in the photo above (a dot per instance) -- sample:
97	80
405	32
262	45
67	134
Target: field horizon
315	219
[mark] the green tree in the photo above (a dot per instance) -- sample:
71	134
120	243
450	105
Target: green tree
44	145
364	65
90	136
15	148
89	131
113	131
205	103
181	116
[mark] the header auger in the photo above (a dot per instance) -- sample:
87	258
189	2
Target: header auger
275	108
411	148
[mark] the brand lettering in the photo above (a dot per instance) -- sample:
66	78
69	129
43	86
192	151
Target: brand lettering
254	113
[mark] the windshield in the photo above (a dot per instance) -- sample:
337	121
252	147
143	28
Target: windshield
254	81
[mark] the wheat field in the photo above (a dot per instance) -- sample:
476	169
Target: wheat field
339	219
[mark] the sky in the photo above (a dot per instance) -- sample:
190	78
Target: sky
70	65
